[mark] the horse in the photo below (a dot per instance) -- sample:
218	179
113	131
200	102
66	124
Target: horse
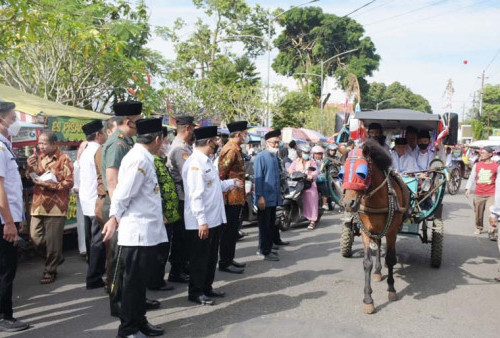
378	201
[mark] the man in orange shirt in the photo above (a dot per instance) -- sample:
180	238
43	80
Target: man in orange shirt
50	202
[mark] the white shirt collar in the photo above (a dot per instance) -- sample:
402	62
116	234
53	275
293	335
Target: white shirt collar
201	155
4	139
142	149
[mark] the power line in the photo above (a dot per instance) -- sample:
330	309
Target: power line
373	8
405	13
360	8
494	57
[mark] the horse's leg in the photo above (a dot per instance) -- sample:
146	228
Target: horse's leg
377	275
368	306
390	260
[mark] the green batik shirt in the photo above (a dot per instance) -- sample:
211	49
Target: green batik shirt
169	197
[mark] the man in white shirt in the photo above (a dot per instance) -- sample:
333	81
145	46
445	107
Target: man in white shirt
424	155
11	214
204	214
87	193
412	136
402	162
137	210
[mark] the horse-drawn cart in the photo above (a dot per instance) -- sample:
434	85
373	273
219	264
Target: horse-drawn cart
427	187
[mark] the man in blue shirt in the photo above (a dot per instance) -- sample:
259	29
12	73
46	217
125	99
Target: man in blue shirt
11	214
268	192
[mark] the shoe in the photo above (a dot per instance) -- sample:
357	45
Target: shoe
164	287
241	234
151	330
477	232
180	278
203	300
325	207
152	304
259	253
282	243
238	265
97	285
497	279
138	334
271	257
12	325
215	294
275	247
231	269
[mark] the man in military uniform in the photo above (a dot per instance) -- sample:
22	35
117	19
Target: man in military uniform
204	214
180	149
137	209
232	165
115	148
11	214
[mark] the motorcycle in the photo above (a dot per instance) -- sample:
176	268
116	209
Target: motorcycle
334	183
291	210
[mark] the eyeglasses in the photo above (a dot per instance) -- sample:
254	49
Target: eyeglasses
273	143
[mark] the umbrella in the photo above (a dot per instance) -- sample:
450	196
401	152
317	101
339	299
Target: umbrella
259	130
313	135
296	133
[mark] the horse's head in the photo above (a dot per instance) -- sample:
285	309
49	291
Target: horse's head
356	176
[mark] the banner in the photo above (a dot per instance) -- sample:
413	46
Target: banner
67	128
25	135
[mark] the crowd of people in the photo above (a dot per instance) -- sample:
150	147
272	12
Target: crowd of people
151	201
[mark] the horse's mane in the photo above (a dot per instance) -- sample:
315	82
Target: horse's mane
380	156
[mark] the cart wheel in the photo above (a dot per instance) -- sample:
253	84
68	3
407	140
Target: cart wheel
347	239
437	243
455	180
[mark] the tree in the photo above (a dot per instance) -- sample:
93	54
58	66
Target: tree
398	96
491	106
204	79
311	36
292	110
84	53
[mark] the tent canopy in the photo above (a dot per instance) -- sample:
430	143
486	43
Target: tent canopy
399	118
33	105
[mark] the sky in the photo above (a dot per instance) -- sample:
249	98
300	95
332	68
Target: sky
422	43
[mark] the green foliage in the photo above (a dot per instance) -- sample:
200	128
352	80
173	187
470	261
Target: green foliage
399	96
491	106
293	110
478	129
311	36
83	53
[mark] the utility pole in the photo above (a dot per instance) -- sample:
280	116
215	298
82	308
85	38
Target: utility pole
481	95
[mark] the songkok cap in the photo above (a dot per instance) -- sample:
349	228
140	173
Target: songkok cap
205	132
423	134
148	126
375	125
127	108
185	120
489	149
92	127
272	133
6	106
237	126
400	141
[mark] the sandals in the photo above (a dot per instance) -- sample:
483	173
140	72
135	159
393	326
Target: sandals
48	279
312	226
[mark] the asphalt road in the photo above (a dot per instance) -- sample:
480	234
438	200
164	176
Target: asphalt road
312	291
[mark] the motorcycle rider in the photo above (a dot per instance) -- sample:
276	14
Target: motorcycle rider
318	153
310	195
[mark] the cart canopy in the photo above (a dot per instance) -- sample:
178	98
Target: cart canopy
399	119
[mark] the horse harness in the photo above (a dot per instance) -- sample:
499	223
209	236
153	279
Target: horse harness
392	208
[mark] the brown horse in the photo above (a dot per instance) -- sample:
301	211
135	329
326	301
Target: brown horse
378	201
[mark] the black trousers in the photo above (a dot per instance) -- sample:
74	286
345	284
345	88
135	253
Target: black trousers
179	247
135	260
267	229
202	260
229	235
158	261
96	251
8	267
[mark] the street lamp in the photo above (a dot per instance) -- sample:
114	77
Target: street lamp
392	98
270	20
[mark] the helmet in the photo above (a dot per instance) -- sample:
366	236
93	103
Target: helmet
331	147
317	150
305	148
